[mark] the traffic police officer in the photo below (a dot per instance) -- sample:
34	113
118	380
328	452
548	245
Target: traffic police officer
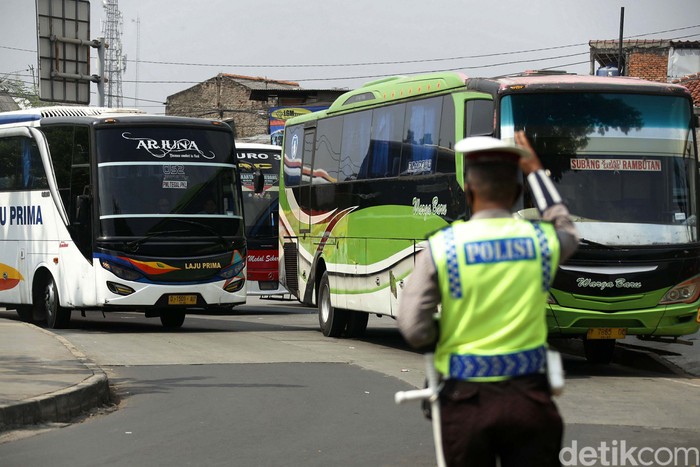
491	275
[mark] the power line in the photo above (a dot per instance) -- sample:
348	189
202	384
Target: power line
513	62
396	62
399	62
458	68
17	48
472	67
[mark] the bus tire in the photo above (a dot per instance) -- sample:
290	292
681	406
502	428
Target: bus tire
332	320
57	317
357	323
599	351
172	319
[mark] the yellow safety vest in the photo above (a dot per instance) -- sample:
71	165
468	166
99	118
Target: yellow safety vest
494	276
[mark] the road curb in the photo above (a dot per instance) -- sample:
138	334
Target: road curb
62	405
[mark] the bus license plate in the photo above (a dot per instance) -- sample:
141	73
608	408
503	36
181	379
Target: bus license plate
182	300
606	333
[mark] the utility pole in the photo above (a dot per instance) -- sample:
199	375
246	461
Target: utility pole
622	27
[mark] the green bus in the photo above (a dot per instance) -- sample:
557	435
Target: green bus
366	181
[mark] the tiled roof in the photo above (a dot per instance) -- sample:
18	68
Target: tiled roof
254	83
257	82
692	82
7	102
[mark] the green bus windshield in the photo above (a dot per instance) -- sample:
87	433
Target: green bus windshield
625	164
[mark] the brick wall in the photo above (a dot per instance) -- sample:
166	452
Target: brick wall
648	64
221	99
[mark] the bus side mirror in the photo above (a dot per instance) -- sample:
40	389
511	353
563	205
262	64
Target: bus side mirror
258	181
82	209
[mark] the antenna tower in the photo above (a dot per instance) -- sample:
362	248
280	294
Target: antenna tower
115	62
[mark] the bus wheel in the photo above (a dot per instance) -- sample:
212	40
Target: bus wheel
599	350
357	323
332	320
57	317
171	319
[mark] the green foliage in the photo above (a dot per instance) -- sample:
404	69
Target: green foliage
24	95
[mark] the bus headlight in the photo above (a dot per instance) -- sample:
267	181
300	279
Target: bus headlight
685	292
121	272
232	270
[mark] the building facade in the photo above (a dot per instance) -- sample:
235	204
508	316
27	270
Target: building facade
665	61
245	101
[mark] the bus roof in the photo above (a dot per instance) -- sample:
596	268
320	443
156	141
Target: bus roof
66	114
551	81
71	111
397	88
35	114
263	146
382	91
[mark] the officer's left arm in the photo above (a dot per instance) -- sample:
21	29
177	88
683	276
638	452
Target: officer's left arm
567	234
418	304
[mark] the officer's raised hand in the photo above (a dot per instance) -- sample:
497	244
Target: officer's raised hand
531	163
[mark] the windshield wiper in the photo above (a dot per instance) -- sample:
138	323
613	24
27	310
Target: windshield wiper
585	241
134	245
222	240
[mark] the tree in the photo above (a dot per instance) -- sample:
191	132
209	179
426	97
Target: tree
25	96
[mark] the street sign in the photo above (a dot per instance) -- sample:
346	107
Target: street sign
63	38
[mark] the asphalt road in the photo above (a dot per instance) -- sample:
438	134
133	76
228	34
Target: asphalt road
264	387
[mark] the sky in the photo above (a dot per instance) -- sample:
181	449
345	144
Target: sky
171	45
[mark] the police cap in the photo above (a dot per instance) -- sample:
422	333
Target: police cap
481	149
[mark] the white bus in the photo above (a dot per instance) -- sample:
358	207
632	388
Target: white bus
104	209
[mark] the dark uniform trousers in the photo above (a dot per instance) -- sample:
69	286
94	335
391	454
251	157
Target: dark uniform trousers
513	420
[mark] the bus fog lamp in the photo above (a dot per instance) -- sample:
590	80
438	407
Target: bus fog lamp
119	289
234	286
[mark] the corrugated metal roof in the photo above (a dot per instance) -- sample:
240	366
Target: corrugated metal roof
686	44
644	44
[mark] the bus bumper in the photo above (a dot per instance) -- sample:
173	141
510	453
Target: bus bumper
155	295
672	320
266	288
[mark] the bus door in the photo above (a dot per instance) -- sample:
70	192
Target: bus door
310	235
25	212
305	185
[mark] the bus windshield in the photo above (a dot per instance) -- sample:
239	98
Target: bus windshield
177	181
625	164
260	208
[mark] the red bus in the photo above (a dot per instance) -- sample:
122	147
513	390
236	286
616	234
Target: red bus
261	215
